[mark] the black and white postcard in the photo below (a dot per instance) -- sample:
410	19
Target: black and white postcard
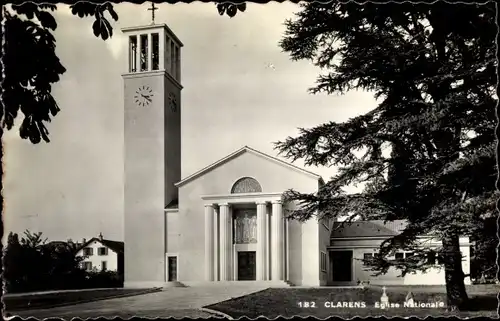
217	159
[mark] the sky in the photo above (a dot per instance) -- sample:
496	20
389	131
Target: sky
72	187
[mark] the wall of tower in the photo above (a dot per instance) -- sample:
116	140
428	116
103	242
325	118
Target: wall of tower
172	136
144	182
152	138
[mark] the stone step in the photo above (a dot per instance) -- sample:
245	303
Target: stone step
262	284
175	284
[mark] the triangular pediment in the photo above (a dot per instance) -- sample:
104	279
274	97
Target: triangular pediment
237	154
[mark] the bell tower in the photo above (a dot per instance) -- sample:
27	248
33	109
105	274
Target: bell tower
152	141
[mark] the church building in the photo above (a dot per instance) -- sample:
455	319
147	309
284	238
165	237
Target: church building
223	223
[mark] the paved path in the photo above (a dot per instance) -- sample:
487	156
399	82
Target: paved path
171	302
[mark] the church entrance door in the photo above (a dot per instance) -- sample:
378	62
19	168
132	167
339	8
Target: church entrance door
246	266
172	268
341	265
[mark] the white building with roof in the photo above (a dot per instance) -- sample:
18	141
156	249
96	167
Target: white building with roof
224	223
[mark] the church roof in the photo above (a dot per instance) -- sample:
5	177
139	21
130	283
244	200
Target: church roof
373	228
246	149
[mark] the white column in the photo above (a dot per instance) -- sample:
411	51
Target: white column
225	238
178	64
277	242
209	242
167	53
231	256
138	54
261	242
287	249
150	51
234	261
161	50
216	245
130	59
268	245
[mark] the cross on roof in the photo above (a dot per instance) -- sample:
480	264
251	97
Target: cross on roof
153	8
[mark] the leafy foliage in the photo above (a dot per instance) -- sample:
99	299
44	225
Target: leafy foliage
483	251
426	153
31	65
101	27
51	266
230	8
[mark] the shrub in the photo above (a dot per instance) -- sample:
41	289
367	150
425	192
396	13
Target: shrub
31	264
103	279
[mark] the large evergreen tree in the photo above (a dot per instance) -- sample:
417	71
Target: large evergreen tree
426	153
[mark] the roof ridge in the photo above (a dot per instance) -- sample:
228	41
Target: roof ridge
237	153
363	228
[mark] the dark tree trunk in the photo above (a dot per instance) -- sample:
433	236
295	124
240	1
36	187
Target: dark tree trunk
457	298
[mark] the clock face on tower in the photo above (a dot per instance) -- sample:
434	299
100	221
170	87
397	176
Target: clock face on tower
143	96
172	102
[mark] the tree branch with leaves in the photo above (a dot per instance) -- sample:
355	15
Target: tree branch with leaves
31	65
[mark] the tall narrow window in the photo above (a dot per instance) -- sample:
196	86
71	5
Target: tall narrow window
431	257
144	52
155	46
178	63
172	58
87	266
323	262
133	54
367	257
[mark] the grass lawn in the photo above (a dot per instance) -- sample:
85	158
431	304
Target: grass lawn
55	299
286	302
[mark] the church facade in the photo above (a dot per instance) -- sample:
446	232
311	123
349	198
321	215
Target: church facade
242	233
224	223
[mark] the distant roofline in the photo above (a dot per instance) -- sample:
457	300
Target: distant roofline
238	152
384	229
364	237
155	26
83	245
